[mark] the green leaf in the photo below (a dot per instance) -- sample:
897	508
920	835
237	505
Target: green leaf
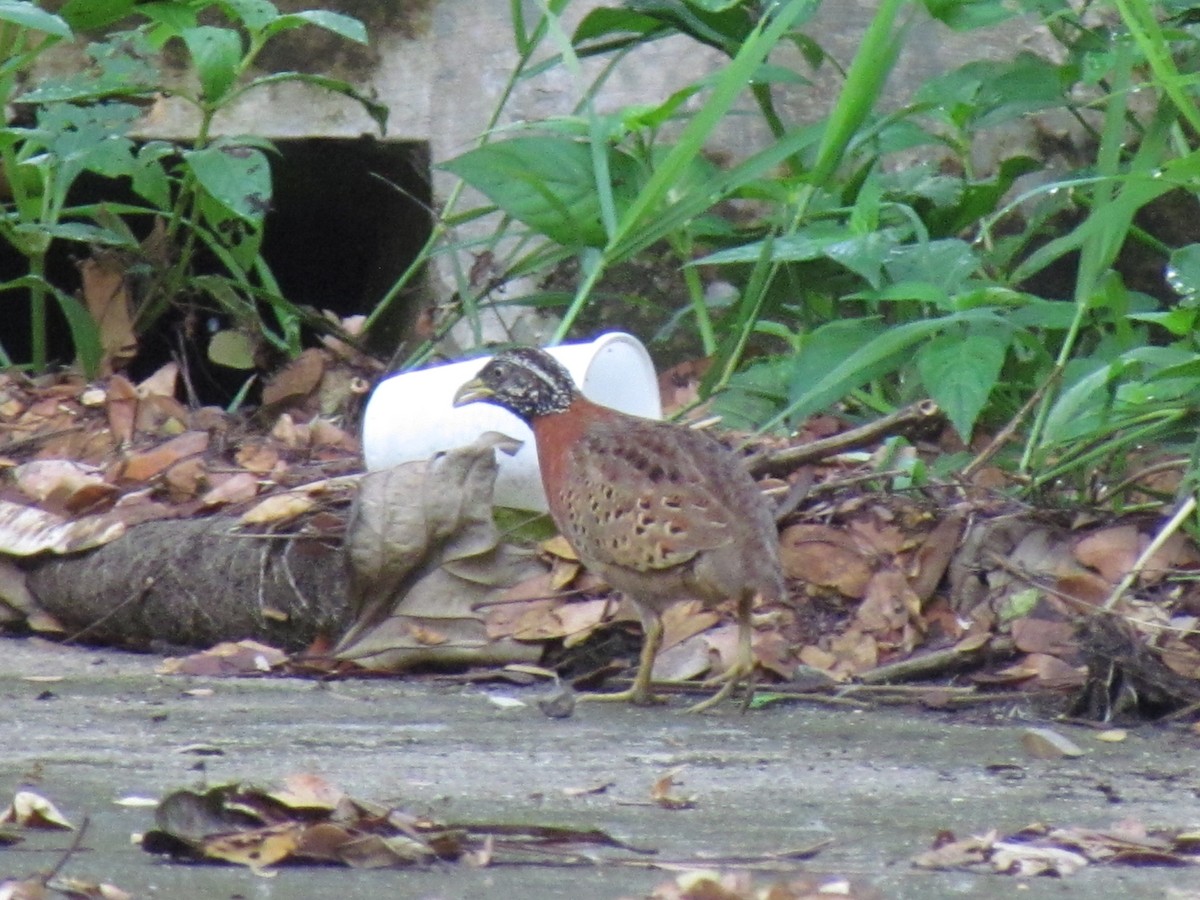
346	26
254	14
216	53
81	232
171	19
121	67
90	15
232	348
85	333
959	373
548	183
377	111
27	15
947	263
150	179
864	254
965	15
807	243
607	22
1183	271
236	176
841	356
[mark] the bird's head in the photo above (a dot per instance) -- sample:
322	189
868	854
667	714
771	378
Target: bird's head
525	381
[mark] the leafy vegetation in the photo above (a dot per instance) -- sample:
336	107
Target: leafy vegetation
205	197
863	279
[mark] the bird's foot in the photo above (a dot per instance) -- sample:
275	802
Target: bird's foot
631	695
728	681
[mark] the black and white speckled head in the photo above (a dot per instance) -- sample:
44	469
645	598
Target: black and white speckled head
525	381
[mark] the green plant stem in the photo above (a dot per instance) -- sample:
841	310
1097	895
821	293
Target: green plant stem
526	50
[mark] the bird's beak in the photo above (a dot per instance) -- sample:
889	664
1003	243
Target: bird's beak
472	391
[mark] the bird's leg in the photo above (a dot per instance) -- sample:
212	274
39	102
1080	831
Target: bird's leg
742	669
639	693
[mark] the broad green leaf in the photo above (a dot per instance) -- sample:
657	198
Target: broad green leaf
864	254
863	351
89	15
808	243
254	14
150	179
120	67
1081	407
947	263
216	53
232	348
28	15
965	15
81	232
548	183
171	19
985	93
753	395
959	373
377	111
236	176
608	22
346	26
1183	271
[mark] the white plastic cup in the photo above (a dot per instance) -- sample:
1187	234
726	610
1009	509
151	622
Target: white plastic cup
411	416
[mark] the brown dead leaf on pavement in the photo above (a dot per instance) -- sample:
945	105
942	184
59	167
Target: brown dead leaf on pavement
225	659
1046	850
312	822
31	810
662	792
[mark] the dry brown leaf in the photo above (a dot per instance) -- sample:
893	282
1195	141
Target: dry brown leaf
257	849
237	488
25	530
662	791
278	508
855	651
307	791
257	456
226	659
296	380
30	810
161	383
149	463
323	433
1111	551
425	550
878	533
106	296
121	409
888	605
1045	743
1043	636
932	558
558	546
824	556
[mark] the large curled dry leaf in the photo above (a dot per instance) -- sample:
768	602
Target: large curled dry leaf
26	530
424	555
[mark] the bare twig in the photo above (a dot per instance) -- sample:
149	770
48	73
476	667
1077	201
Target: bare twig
1005	434
783	461
1186	508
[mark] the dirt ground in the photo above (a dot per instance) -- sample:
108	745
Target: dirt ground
877	785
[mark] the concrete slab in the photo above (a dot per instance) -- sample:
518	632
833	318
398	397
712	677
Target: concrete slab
878	784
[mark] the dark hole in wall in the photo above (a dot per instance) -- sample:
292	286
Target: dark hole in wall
347	218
